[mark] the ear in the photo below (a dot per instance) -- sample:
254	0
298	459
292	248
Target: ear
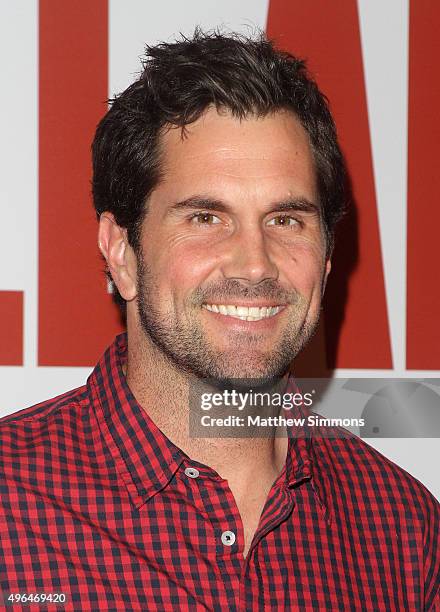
119	255
328	267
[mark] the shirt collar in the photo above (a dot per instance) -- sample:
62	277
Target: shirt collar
146	459
144	456
300	457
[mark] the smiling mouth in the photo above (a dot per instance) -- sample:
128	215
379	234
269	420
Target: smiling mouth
245	313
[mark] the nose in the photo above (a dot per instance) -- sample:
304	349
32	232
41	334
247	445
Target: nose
247	257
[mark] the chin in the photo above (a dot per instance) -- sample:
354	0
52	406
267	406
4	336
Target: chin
240	370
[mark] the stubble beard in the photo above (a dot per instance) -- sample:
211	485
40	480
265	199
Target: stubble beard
186	346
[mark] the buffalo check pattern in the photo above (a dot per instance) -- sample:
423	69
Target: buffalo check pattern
96	504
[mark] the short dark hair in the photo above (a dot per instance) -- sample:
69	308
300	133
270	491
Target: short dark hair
247	76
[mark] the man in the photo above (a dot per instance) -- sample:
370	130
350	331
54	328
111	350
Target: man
218	182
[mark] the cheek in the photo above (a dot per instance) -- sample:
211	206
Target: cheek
304	265
184	267
306	280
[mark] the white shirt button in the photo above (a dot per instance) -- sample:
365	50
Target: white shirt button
192	472
228	538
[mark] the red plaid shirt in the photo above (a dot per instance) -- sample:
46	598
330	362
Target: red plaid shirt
97	504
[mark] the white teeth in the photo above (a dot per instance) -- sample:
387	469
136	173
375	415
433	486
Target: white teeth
244	313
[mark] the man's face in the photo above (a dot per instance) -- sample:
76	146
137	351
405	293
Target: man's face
232	261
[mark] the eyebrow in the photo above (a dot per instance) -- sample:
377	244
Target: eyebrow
200	202
300	204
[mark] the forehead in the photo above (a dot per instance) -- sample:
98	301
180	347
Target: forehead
270	149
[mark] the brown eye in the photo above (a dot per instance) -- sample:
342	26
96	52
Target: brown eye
283	221
205	218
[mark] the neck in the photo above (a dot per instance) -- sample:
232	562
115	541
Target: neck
162	389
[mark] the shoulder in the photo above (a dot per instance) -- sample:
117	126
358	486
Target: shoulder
373	494
348	460
44	411
357	479
41	433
